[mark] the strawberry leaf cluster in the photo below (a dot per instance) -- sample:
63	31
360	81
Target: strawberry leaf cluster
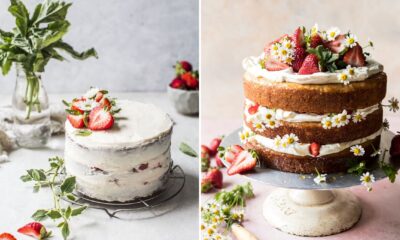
36	39
60	188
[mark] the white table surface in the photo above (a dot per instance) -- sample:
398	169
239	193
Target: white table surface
18	202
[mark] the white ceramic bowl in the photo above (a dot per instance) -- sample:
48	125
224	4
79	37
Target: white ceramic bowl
184	101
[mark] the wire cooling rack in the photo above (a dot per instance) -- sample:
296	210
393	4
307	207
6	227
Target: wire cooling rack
153	206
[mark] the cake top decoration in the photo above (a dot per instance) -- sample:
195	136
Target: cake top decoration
93	111
311	51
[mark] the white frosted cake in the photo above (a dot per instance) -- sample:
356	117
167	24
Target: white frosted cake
128	161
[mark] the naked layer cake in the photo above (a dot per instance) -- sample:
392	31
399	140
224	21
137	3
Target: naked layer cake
126	160
312	102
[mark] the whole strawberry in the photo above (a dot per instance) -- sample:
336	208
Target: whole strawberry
315	40
299	55
214	145
298	37
178	83
191	80
395	146
310	65
186	66
218	161
206	185
216	177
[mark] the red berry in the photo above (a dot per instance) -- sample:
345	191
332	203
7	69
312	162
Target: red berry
315	40
35	229
206	185
275	65
215	176
310	65
253	109
218	162
314	149
395	146
100	119
76	105
7	236
298	37
299	56
105	103
354	56
186	66
243	162
191	81
178	83
77	121
99	96
337	45
205	152
232	152
214	146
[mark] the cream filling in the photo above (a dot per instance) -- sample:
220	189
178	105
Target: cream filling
302	149
289	116
253	67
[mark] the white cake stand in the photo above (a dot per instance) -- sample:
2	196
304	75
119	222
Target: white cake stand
302	207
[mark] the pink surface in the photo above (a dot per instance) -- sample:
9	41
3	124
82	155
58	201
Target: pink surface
381	207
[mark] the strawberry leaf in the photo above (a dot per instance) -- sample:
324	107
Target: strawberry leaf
186	149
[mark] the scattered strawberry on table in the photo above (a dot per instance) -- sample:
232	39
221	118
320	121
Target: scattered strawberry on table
7	236
94	111
213	179
36	230
186	78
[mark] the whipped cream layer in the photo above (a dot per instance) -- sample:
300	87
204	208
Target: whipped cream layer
126	163
302	149
252	66
289	116
136	124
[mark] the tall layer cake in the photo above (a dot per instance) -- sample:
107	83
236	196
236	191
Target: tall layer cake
127	161
312	102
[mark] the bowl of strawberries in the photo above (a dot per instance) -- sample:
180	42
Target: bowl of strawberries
183	91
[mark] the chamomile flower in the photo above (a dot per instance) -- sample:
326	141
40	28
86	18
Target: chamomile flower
351	71
258	124
272	123
284	53
327	123
332	33
289	139
366	180
266	114
376	153
278	141
343	77
336	121
314	29
344	118
320	178
393	104
358	117
244	135
275	49
350	40
357	150
287	44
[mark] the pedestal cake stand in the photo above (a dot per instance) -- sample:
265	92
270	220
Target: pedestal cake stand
142	208
302	207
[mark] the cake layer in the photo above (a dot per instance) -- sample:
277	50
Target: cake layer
318	99
336	162
314	132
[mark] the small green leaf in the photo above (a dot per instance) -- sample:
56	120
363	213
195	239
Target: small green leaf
36	188
79	210
71	197
68	185
186	149
83	132
68	212
39	215
26	178
65	230
54	214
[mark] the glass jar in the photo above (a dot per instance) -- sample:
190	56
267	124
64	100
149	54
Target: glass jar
31	112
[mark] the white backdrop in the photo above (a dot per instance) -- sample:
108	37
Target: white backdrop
138	41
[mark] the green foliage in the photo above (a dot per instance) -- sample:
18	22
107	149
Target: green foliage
236	197
357	168
59	189
36	39
186	149
327	59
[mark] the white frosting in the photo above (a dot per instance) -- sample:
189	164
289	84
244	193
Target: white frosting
289	116
135	124
128	162
253	67
302	149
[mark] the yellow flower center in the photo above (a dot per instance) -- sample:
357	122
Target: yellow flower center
289	60
328	123
275	47
356	151
284	52
202	227
268	116
337	120
288	45
343	77
290	140
332	34
350	40
343	118
351	71
272	123
210	231
367	179
258	125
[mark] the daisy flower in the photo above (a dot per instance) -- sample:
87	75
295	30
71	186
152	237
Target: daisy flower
332	33
258	125
244	135
327	123
284	53
366	180
314	29
289	139
266	114
358	116
287	44
351	71
343	78
275	49
320	178
357	150
393	104
278	141
344	118
350	41
336	121
272	124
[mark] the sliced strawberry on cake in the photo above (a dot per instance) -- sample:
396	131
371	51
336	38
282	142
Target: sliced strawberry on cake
253	109
77	121
354	56
100	119
310	65
7	236
275	65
